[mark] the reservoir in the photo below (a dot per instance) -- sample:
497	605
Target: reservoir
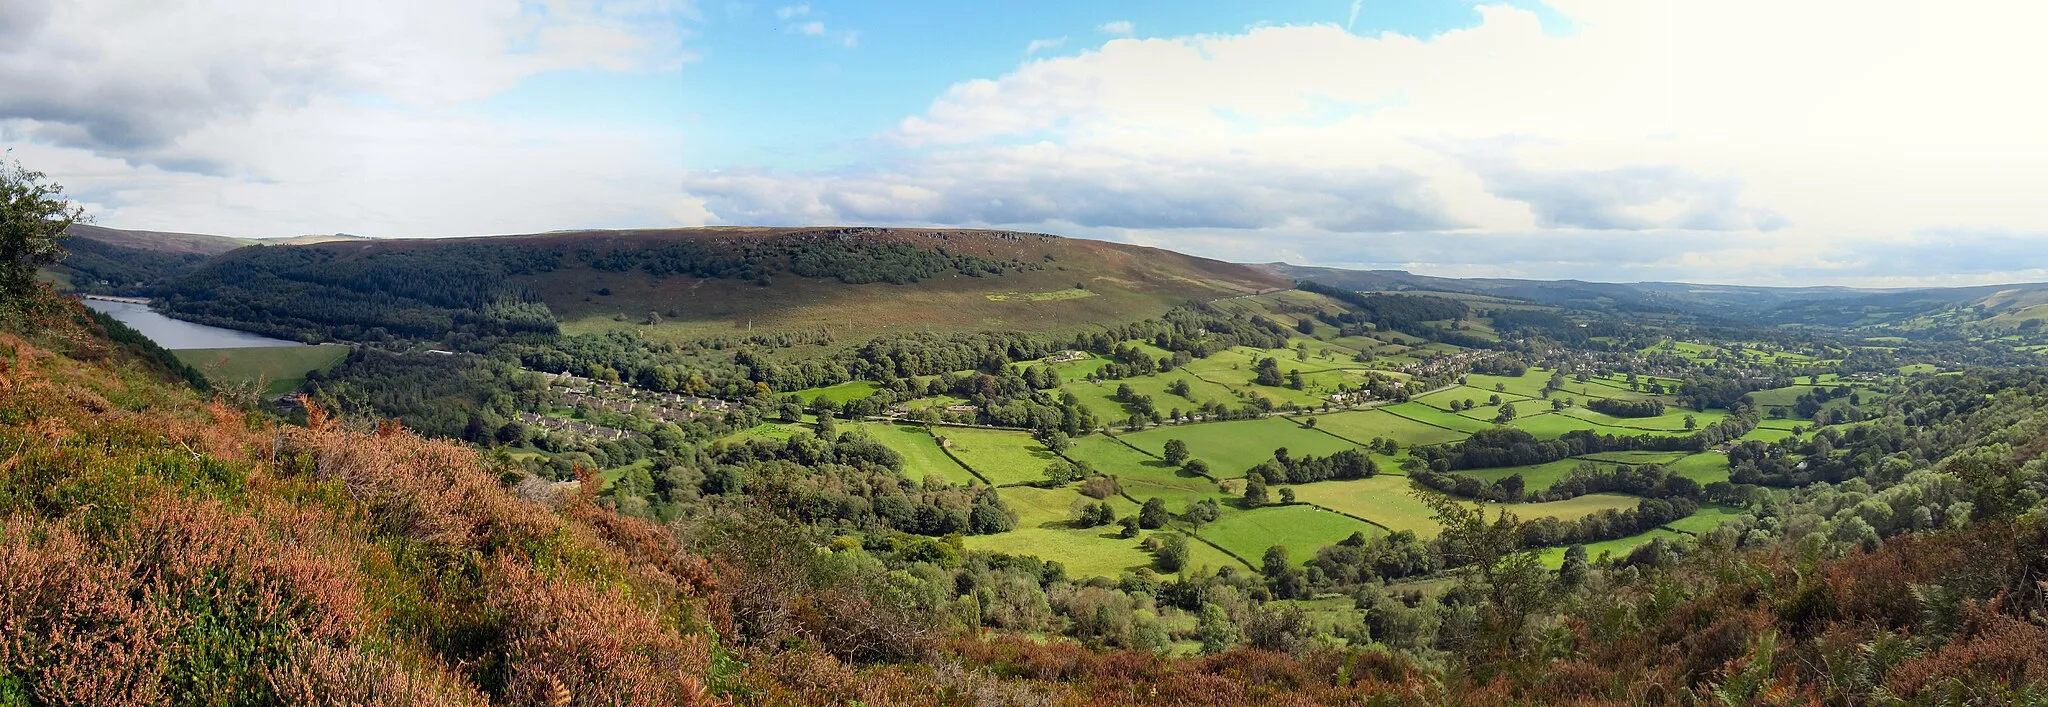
179	334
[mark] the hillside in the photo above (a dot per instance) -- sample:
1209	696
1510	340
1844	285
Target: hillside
1731	300
693	283
115	260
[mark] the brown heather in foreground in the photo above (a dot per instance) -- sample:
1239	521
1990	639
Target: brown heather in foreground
158	549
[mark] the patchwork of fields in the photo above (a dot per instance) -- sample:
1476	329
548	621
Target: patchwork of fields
1324	512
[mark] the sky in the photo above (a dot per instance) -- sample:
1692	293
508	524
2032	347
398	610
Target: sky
1875	142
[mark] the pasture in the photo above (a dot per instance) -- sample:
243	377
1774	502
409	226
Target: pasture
1635	458
1302	529
921	454
1570	509
1365	425
1386	500
839	394
1536	477
1707	519
1551	425
1705	467
1427	415
1233	447
1002	457
1091	552
1553	557
1040	508
282	369
1142	476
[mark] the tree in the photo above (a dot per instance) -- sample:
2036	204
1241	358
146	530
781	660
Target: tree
1172	555
1215	630
1287	495
1513	579
1507	413
1056	441
1691	422
1130	527
1176	452
33	217
1153	515
1575	569
1090	515
1196	467
1255	491
1309	423
1061	473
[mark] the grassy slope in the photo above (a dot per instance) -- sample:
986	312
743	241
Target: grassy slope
1301	529
284	367
1128	282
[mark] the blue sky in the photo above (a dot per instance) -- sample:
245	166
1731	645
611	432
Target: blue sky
759	91
1862	142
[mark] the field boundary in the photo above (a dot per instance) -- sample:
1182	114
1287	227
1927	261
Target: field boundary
1390	411
1142	450
1361	519
956	460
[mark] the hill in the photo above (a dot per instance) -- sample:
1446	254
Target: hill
115	260
1727	300
683	284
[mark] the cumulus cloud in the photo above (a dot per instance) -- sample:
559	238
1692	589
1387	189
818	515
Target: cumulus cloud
1038	185
131	77
1838	127
1888	142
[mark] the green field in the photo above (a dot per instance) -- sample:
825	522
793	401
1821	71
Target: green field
1142	476
1365	425
1767	434
1302	529
1383	499
921	454
1637	457
1673	419
1708	518
841	394
1705	467
1231	448
1093	552
1040	508
1572	509
282	368
1551	425
1442	399
1002	457
1097	396
1537	477
1617	548
1427	415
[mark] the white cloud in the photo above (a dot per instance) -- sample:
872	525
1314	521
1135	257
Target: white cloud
130	77
258	118
1887	142
1119	27
1746	140
811	29
1351	20
1039	45
792	11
